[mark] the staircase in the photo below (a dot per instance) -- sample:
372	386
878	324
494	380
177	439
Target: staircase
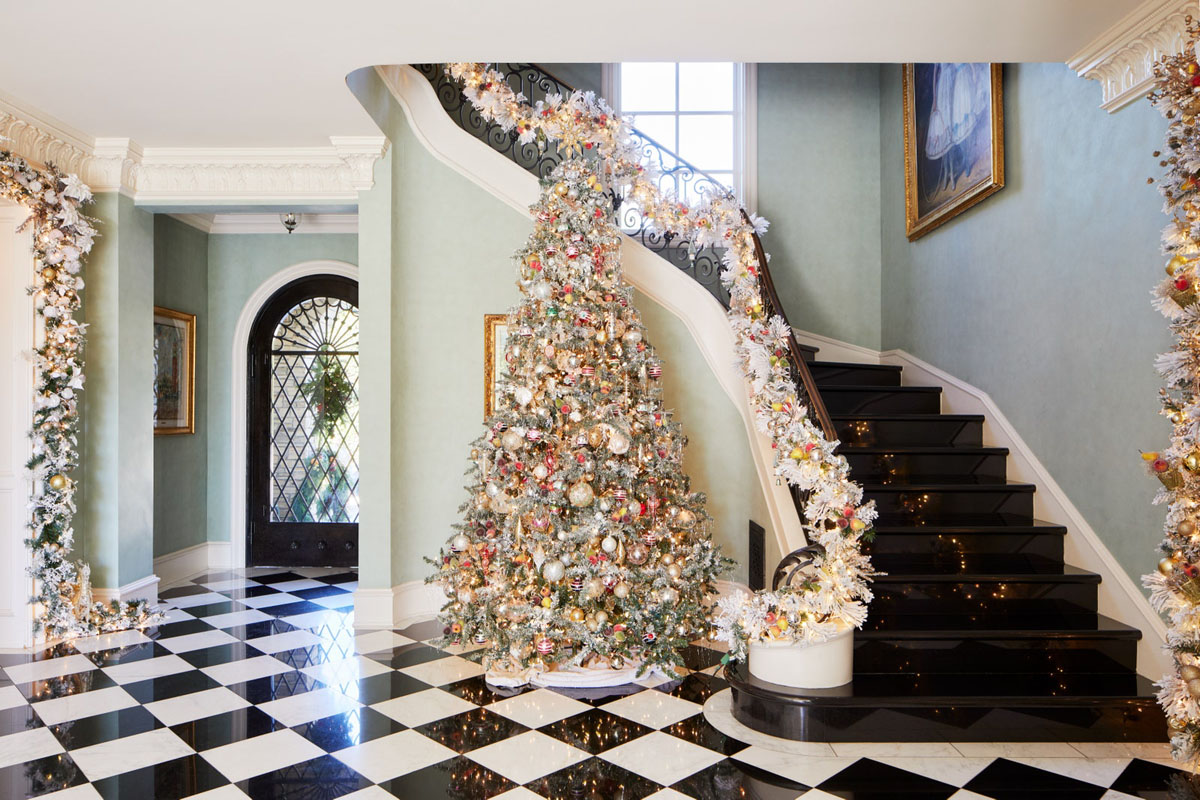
979	631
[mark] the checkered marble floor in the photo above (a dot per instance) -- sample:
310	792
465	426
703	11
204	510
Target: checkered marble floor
258	685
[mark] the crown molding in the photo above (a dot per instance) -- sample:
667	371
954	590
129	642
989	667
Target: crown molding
201	222
1122	58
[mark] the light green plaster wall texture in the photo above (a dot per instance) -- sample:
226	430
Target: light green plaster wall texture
1040	294
237	265
181	461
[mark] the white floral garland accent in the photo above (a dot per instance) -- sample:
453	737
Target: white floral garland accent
62	236
837	587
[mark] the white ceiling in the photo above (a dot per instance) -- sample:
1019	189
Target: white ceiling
221	73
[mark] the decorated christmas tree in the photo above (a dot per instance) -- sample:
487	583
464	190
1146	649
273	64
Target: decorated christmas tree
581	544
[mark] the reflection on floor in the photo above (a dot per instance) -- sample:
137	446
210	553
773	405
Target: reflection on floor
258	685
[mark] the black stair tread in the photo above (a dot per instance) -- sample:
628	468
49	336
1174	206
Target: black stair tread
915	484
944	522
855	365
965	563
911	482
1069	574
907	417
1005	525
1027	617
913	449
1080	626
867	387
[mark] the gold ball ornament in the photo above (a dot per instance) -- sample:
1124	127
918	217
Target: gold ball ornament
1176	725
1175	263
1189	672
1191	462
673	572
49	274
581	494
577	615
1186	528
1193	687
560	189
1166	567
57	482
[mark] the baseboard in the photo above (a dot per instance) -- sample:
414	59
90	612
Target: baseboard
373	609
142	589
834	350
1119	597
183	565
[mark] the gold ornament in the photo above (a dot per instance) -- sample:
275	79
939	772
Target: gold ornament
58	482
577	615
1191	462
1193	687
49	274
637	553
1186	528
1189	672
1166	566
1175	263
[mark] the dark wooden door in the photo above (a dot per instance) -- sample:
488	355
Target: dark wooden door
302	492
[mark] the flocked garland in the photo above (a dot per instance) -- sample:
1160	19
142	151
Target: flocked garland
62	236
836	589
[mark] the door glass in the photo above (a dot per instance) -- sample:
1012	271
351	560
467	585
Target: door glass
314	413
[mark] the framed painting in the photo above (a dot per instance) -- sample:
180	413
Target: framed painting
953	140
495	335
174	372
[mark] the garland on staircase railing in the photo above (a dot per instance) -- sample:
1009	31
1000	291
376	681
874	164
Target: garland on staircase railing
62	236
837	589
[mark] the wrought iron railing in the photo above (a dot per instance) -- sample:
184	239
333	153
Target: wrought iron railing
703	265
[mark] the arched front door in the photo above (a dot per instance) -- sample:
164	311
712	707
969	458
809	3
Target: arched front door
302	492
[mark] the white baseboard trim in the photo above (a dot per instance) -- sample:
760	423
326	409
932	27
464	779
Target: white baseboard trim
373	608
1119	597
185	564
834	350
142	589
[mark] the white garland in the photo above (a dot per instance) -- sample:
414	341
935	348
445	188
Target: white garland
62	236
837	583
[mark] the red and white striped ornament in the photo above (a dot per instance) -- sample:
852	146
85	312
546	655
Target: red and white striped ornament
544	646
533	435
577	583
588	370
655	370
648	637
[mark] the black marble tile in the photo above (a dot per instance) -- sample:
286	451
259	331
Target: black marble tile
338	577
471	730
221	654
88	731
866	779
1150	780
127	655
316	654
696	687
17	719
249	591
256	630
595	731
478	691
408	655
181	628
1009	780
323	777
65	685
182	591
222	729
57	651
292	609
698	730
170	780
42	776
348	729
275	687
385	686
283	576
219	575
729	779
319	591
169	686
593	779
211	610
459	778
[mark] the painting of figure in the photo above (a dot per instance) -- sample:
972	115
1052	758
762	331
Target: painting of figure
174	371
953	140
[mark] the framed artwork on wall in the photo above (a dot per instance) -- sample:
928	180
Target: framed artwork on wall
495	334
174	372
953	140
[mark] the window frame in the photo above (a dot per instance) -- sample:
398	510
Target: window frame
745	128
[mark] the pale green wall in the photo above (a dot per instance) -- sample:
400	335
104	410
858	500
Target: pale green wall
181	461
237	265
1040	295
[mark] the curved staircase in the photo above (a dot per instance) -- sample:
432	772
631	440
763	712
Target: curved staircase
979	631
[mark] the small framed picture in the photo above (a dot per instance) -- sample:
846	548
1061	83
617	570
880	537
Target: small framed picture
495	336
174	372
953	140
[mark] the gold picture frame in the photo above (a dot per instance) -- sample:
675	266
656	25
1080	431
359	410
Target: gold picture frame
495	334
174	372
952	158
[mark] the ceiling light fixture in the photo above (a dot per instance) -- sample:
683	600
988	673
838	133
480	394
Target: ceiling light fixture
290	221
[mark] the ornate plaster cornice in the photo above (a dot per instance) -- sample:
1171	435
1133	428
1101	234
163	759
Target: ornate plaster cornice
1122	58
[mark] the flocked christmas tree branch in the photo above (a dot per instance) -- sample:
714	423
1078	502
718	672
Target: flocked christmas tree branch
62	236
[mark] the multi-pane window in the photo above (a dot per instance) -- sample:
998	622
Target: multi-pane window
697	110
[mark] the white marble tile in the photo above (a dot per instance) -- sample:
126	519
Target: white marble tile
880	750
334	601
17	748
1017	749
197	705
202	599
235	618
175	615
378	641
1098	771
808	771
147	668
232	672
441	671
233	583
109	641
11	697
955	771
316	620
390	756
528	757
50	668
661	757
291	640
226	792
1152	750
271	751
196	641
539	707
301	708
376	793
84	791
419	708
967	794
817	794
345	674
84	704
664	794
129	753
654	709
268	600
297	585
1111	794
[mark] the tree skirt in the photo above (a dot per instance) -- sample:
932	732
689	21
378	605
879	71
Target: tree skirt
570	677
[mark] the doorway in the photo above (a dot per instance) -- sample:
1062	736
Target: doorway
302	426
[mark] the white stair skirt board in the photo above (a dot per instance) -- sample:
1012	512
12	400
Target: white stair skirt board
183	565
689	301
142	589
